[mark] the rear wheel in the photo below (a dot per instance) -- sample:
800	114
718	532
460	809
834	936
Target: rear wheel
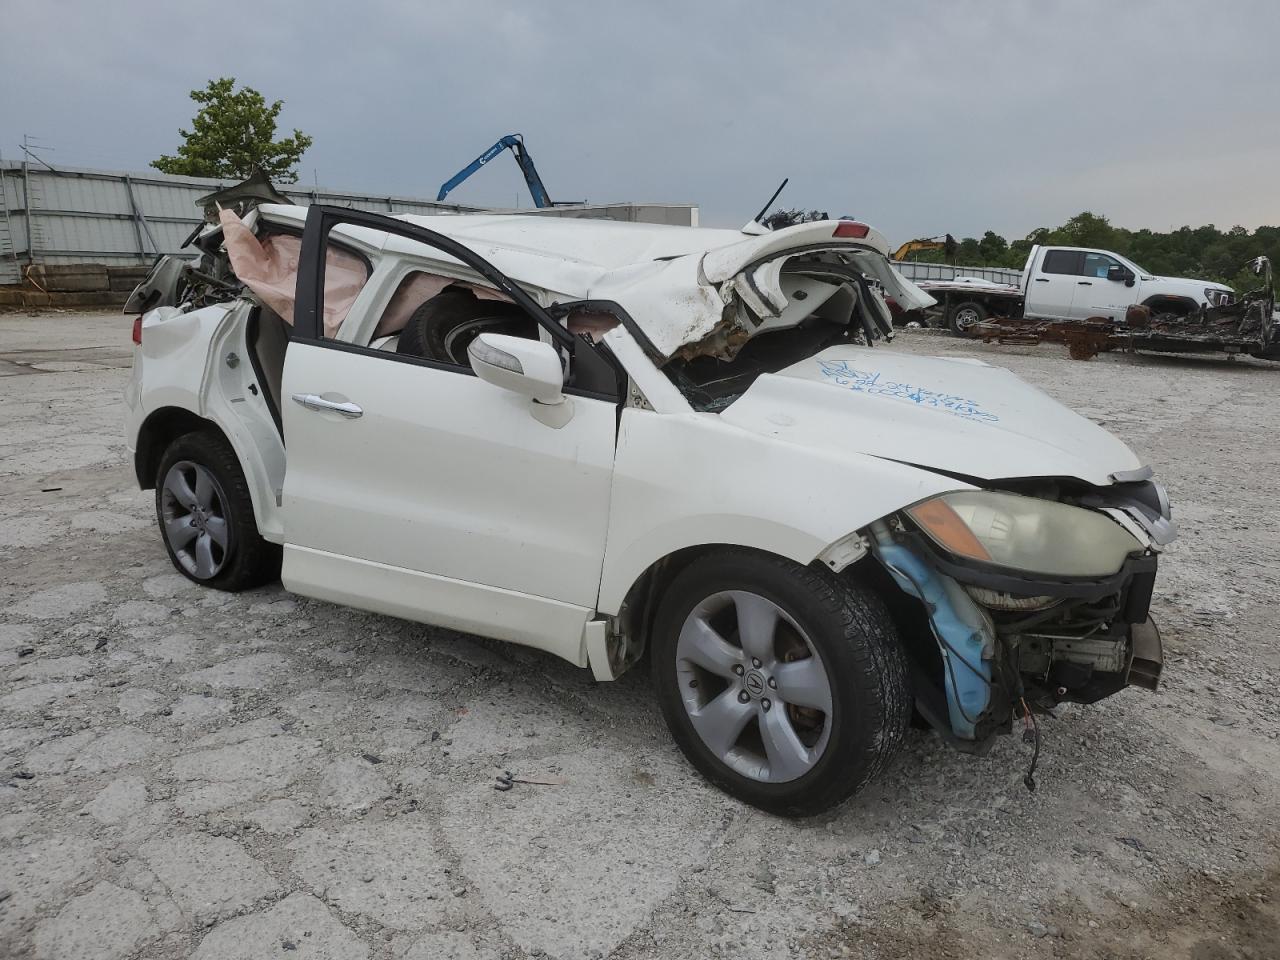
786	686
966	315
206	515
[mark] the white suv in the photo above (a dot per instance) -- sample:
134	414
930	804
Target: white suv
599	439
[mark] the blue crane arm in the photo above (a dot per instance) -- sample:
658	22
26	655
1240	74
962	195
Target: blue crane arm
515	144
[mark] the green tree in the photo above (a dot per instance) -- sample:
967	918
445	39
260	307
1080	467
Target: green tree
232	134
1085	230
969	251
992	248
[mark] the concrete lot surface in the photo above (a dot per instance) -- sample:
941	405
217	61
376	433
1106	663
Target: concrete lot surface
185	772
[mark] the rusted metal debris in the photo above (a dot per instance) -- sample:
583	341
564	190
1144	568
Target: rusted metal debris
1084	339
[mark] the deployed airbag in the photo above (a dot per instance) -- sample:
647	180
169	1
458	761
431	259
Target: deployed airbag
269	267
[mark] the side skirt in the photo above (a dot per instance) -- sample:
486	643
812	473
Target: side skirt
440	601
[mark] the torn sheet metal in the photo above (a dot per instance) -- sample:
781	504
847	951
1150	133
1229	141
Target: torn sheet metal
710	304
242	197
668	301
721	264
689	291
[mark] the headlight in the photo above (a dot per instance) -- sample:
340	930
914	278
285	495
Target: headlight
1216	297
1026	533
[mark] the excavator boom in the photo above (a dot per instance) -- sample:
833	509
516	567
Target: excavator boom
946	243
515	143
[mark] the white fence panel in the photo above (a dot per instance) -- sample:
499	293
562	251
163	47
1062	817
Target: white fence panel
80	215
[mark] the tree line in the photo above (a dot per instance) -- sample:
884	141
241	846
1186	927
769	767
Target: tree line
1204	253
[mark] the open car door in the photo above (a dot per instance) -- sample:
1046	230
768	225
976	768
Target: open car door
414	488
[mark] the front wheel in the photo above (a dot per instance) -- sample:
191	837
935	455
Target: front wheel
784	685
966	315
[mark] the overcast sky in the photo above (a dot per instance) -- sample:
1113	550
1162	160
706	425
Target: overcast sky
920	118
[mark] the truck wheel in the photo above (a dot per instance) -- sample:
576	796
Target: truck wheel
206	515
786	686
965	315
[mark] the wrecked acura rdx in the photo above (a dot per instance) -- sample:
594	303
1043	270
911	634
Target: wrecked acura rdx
599	438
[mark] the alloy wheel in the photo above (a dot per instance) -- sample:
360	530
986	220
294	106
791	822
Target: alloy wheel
193	512
754	687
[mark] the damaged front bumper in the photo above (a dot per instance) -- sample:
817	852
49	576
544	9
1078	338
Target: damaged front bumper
1008	642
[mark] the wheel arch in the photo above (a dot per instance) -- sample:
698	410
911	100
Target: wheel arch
690	535
158	430
1171	303
635	612
165	424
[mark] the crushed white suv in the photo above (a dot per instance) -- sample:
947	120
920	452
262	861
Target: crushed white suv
600	439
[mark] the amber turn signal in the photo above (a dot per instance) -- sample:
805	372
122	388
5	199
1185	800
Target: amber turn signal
946	527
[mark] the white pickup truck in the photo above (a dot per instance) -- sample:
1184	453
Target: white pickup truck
1072	283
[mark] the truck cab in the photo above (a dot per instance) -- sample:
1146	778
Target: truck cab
1077	283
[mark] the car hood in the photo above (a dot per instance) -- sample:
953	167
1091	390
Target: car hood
958	416
1191	288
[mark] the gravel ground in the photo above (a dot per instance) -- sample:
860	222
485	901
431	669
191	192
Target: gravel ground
185	772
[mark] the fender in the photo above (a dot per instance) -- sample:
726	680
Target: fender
690	479
173	344
248	451
1170	302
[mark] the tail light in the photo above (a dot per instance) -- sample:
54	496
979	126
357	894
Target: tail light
851	228
137	329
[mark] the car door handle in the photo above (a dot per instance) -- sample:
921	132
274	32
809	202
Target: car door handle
313	402
1042	279
1084	283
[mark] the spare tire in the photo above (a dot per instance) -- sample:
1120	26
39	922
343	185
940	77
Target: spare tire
443	327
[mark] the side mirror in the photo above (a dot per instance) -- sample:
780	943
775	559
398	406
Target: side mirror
1120	274
528	367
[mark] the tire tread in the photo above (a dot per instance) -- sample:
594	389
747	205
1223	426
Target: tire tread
256	561
866	635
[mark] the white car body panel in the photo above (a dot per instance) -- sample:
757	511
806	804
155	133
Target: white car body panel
648	383
557	628
1050	295
174	346
721	264
966	418
444	475
1178	287
690	479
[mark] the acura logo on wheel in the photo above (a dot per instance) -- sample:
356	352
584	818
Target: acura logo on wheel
754	683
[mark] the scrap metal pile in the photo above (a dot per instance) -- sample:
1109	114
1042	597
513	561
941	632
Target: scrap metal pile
1247	325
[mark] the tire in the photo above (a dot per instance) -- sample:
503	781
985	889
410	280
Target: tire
443	327
964	315
201	470
851	641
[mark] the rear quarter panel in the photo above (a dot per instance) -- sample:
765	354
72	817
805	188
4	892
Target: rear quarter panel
181	363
